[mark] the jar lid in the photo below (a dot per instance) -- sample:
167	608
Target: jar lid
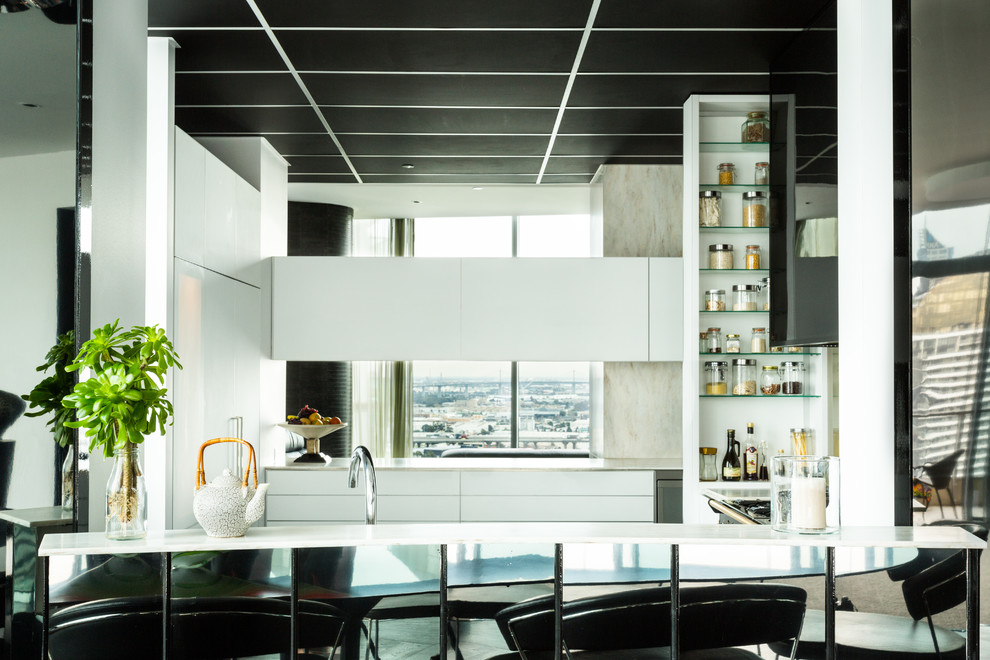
798	431
754	194
759	329
703	334
726	165
752	247
719	247
769	367
731	336
714	329
743	362
710	193
717	292
709	451
745	287
715	364
763	164
757	114
784	365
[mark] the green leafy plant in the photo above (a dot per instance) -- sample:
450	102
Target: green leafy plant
48	394
125	399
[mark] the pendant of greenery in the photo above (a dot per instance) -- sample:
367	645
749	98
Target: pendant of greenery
124	400
48	394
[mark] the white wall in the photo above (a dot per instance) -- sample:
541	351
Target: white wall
866	262
32	188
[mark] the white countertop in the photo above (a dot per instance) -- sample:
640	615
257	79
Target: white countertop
476	533
45	516
554	464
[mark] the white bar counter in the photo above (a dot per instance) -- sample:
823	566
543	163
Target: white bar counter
495	463
258	538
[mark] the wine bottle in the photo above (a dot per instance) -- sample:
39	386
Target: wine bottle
731	470
750	461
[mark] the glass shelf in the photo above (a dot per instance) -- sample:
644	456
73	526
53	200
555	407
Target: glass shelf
734	147
781	354
734	270
759	396
716	229
735	187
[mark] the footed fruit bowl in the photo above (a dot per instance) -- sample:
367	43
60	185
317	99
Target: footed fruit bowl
312	434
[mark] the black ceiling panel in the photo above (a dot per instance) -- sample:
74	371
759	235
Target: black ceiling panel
247	120
679	52
302	143
442	120
708	14
567	178
605	122
197	13
573	165
450	178
321	178
618	145
427	13
223	50
446	90
443	145
318	165
457	165
238	89
440	52
655	90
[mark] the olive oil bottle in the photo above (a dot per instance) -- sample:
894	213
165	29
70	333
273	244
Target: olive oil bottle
731	468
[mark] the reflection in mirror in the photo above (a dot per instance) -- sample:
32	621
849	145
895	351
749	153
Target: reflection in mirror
37	177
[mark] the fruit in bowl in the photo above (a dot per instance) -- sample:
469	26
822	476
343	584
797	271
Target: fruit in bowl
308	416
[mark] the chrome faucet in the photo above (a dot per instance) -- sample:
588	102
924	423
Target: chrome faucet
361	458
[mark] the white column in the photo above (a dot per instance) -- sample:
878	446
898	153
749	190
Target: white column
866	262
119	230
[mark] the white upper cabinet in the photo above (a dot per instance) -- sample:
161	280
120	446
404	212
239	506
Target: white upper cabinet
666	303
554	309
365	308
247	234
190	199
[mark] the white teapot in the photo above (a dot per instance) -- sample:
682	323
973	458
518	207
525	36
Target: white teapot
227	506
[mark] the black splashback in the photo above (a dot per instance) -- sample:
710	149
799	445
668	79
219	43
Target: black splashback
320	230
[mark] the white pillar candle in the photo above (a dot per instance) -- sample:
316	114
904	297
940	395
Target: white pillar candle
808	502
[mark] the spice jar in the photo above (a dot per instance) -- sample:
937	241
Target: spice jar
726	174
720	256
703	342
732	344
744	377
792	377
744	297
710	208
752	257
758	344
761	174
714	340
756	128
801	442
715	300
716	378
707	469
754	209
765	292
770	380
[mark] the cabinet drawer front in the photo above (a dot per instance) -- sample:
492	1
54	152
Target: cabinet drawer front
576	483
322	508
311	482
418	482
570	508
419	508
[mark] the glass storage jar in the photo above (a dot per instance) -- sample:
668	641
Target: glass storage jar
758	344
752	257
709	208
703	342
765	292
715	300
744	377
716	377
720	256
761	174
754	209
726	174
756	128
732	344
707	469
769	380
714	340
792	377
744	297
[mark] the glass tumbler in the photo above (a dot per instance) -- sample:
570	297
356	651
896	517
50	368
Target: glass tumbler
804	494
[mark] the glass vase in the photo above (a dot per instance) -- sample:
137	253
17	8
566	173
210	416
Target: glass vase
127	500
68	479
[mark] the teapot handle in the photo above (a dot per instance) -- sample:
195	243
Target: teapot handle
252	462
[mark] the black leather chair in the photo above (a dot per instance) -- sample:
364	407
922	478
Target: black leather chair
939	474
636	623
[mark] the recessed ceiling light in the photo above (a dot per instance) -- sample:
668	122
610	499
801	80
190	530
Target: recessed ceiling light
477	188
408	166
30	105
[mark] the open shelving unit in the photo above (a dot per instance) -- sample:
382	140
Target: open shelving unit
712	127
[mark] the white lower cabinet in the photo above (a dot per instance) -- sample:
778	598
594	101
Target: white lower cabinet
298	497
